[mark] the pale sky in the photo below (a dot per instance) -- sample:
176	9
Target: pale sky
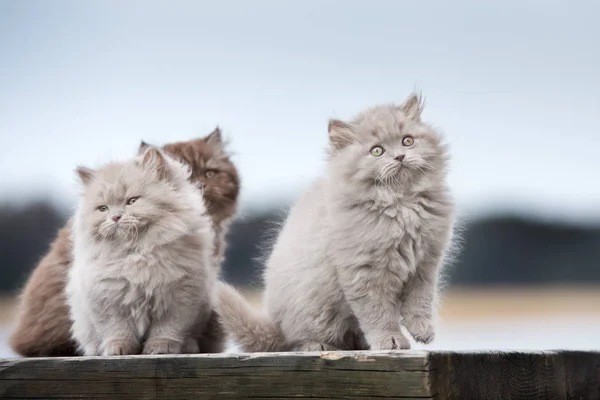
515	86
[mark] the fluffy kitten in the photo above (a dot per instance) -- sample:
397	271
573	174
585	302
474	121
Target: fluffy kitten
212	167
43	324
361	250
142	271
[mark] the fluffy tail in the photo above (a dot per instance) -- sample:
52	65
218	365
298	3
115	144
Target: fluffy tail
253	331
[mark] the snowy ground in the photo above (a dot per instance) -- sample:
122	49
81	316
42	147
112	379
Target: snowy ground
4	349
550	333
557	333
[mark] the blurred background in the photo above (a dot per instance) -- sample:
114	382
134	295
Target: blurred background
514	85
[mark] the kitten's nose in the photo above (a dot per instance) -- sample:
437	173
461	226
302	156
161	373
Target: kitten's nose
400	157
116	218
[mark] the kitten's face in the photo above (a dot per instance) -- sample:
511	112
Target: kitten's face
122	201
211	167
388	146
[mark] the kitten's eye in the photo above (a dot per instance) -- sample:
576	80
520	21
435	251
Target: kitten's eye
103	209
132	200
377	151
408	141
209	174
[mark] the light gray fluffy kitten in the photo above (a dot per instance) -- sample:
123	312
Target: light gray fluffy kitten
361	250
142	277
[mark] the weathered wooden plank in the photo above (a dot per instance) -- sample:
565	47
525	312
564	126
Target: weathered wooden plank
507	375
292	375
334	375
516	375
582	374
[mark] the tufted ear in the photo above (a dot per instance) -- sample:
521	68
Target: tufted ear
215	138
143	147
340	134
85	174
155	160
413	106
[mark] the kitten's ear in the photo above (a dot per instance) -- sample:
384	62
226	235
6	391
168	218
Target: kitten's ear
340	134
85	174
413	106
215	139
143	147
154	159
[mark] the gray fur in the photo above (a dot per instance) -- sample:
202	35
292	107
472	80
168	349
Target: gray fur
144	283
361	250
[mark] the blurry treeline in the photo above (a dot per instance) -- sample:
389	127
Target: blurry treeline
498	250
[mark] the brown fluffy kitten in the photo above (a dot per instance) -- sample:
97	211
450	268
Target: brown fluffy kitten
212	167
43	325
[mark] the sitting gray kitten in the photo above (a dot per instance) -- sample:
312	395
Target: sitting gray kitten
142	277
361	250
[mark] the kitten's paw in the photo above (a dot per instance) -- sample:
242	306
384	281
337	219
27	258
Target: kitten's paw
121	347
421	328
190	346
313	346
90	350
390	341
162	346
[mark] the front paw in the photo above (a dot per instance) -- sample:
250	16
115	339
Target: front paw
162	346
190	346
121	347
389	341
421	328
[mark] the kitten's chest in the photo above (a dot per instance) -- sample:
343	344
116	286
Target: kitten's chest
137	281
141	285
406	238
150	271
399	235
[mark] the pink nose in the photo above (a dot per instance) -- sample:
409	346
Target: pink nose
116	218
400	157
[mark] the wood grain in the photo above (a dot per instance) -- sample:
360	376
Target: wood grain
332	375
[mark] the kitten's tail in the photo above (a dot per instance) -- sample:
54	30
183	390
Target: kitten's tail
253	331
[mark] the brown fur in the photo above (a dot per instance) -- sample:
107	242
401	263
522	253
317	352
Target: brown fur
221	190
43	322
43	325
